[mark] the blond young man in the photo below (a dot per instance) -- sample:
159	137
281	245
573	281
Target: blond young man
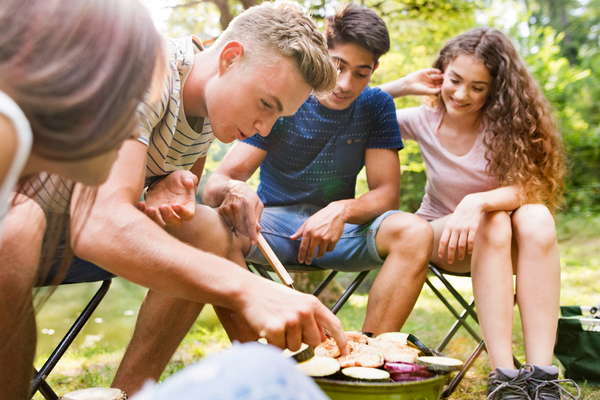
263	67
305	205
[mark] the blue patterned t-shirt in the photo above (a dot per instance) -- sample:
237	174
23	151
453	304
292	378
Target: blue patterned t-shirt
315	156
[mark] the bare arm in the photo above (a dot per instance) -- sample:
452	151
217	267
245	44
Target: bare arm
419	83
126	242
227	189
323	230
173	199
8	138
461	229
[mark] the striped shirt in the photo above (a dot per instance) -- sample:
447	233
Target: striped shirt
172	143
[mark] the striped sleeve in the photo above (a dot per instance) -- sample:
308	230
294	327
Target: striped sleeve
151	111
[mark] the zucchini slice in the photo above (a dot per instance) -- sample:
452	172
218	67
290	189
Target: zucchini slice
366	374
320	366
440	364
305	353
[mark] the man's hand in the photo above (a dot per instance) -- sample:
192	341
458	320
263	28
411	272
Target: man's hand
321	231
172	200
287	318
424	82
241	209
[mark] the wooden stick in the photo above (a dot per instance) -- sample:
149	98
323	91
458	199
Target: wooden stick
274	261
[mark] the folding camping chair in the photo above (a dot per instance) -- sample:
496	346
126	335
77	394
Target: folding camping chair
461	321
578	343
263	271
39	380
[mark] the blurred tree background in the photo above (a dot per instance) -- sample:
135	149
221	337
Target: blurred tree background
559	40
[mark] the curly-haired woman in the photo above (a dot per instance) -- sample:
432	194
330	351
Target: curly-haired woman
495	165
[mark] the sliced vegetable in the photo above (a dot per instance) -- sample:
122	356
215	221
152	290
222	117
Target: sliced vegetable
305	353
404	367
320	366
366	374
409	377
412	340
440	364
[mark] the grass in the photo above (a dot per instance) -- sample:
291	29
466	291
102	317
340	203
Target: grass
93	362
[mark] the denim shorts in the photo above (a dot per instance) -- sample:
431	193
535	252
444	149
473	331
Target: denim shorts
355	251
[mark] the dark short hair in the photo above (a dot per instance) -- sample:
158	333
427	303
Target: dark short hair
353	23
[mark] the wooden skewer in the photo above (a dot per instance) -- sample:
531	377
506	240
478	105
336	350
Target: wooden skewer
274	261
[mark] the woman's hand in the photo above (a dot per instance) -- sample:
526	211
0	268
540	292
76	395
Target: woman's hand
461	229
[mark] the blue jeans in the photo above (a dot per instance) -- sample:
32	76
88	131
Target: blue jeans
355	251
250	372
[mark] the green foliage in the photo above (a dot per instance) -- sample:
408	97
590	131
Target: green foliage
569	71
558	40
201	20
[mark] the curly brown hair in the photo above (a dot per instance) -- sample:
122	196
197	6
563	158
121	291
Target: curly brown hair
524	147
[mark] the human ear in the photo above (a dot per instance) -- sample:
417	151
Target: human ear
376	66
230	54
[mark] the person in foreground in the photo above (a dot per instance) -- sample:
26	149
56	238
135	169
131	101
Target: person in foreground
494	163
264	66
305	205
71	76
245	371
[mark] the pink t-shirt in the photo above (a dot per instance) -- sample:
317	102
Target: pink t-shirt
449	177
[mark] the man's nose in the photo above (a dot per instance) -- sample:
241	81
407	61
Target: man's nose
344	81
263	126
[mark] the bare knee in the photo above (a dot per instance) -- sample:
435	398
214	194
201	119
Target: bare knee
22	235
495	231
404	232
207	232
534	224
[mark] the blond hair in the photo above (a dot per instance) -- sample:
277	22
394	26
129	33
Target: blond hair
282	29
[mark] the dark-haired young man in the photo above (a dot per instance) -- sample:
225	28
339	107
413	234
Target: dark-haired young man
309	165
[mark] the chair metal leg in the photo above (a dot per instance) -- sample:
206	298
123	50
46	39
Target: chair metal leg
39	380
454	293
460	375
325	282
461	321
351	289
46	390
262	271
461	318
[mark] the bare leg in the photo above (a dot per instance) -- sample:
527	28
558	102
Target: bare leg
404	241
164	320
492	278
538	280
19	257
